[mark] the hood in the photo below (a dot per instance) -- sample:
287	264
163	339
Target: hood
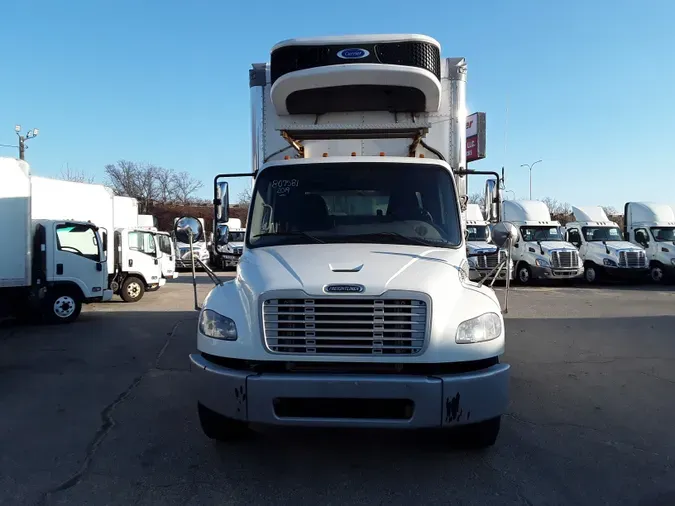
552	245
378	267
480	247
614	246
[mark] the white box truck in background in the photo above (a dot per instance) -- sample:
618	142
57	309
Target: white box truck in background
541	251
652	226
165	244
48	266
602	248
353	306
133	256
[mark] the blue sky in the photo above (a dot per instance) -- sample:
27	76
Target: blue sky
588	85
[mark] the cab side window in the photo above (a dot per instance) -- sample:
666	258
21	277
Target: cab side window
641	236
574	237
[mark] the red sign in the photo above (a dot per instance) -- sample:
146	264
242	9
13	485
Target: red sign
475	137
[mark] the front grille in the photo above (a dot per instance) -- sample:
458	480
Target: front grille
632	259
565	259
345	326
418	54
489	261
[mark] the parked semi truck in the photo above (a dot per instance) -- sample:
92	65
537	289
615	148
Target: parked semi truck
541	251
602	248
478	243
49	267
199	249
652	226
352	306
132	253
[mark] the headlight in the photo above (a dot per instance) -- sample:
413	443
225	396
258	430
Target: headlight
472	263
217	326
608	263
482	328
542	263
222	249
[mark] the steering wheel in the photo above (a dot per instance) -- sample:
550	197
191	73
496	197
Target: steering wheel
66	248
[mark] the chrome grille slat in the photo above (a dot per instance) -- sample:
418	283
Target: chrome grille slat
632	259
346	326
564	259
489	261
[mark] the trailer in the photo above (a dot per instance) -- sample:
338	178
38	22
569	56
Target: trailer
51	267
352	305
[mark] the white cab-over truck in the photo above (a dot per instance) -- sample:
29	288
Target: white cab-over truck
48	267
541	251
602	248
652	226
132	253
352	304
478	242
165	244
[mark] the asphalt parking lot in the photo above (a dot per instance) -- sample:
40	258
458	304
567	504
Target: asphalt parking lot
100	412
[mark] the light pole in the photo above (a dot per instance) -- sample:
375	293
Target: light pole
529	166
22	139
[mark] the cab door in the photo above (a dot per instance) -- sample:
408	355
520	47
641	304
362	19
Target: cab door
79	258
143	256
168	260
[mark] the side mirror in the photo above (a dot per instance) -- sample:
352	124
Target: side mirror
491	201
188	226
503	234
221	202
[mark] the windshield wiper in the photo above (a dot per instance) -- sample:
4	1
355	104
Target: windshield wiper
404	239
289	234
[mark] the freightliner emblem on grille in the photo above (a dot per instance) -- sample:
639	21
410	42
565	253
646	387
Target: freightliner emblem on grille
344	288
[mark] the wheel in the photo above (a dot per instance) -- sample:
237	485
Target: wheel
61	306
590	273
524	274
478	435
656	273
132	289
220	427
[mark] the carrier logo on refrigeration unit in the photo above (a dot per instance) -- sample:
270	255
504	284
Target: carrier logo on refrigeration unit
353	53
344	288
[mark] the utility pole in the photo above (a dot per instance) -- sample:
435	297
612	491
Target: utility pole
23	138
529	166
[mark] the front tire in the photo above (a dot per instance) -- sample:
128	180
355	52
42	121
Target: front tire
591	274
221	428
132	289
524	274
61	306
656	273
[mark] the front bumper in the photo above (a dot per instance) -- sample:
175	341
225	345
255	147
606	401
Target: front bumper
187	263
624	272
502	274
431	401
107	295
551	273
162	281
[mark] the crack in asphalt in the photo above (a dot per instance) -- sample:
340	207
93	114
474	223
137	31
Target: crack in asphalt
107	424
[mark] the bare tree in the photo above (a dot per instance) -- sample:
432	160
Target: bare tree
123	177
166	185
610	211
77	176
185	187
477	198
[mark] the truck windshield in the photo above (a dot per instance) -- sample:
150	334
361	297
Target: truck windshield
78	239
602	234
394	203
540	233
235	237
477	233
663	234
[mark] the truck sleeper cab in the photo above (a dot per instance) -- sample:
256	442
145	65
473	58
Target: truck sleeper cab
602	249
541	251
652	226
352	305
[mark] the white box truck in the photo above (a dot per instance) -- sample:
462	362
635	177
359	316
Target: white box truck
541	251
132	253
352	305
165	244
48	267
652	226
485	255
602	248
